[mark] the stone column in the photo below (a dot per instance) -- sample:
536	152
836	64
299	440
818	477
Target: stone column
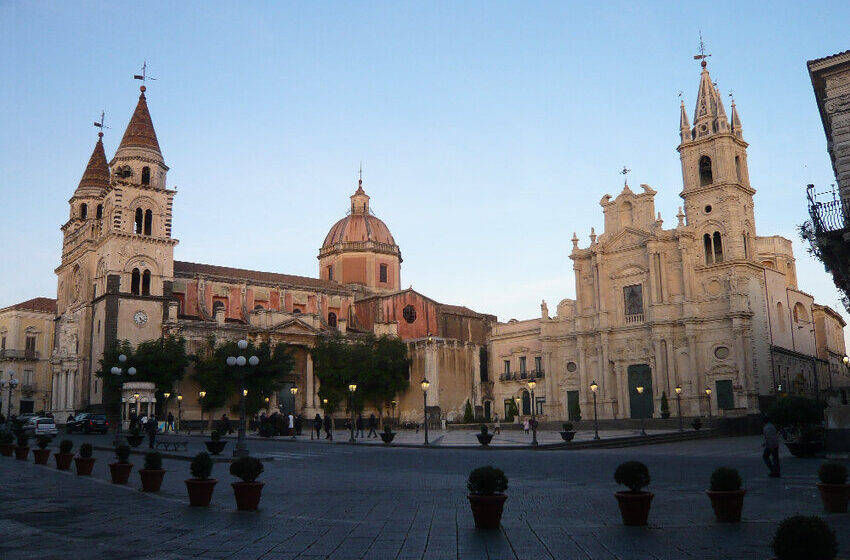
696	378
310	396
53	387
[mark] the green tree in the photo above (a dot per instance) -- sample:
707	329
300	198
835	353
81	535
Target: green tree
665	406
575	411
468	417
513	411
162	361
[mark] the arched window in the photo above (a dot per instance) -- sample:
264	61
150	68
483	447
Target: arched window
135	281
626	214
146	175
216	306
332	319
84	211
713	248
259	308
718	248
146	283
800	315
738	168
526	403
330	272
148	221
99	214
138	221
705	177
383	273
746	246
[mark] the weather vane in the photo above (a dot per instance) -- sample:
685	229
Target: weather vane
625	173
144	75
701	56
102	124
361	174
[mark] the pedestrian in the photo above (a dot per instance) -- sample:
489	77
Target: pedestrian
359	425
150	427
68	423
299	421
170	422
329	424
525	425
317	425
771	448
225	424
497	426
373	423
291	425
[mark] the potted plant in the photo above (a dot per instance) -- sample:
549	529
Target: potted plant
634	504
135	438
833	487
215	445
120	469
63	458
85	462
23	448
153	472
697	424
486	496
727	497
248	491
42	453
484	438
665	406
800	419
804	538
567	434
200	486
6	443
387	435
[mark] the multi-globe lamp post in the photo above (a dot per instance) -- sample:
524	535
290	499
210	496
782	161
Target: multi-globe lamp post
425	384
240	361
118	372
351	388
593	389
12	383
678	390
531	385
639	389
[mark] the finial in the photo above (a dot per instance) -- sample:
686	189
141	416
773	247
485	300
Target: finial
101	125
625	173
360	181
143	77
732	96
701	56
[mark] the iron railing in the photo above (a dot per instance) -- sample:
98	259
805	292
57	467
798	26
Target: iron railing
521	375
832	214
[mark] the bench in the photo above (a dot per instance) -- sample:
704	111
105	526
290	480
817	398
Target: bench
173	445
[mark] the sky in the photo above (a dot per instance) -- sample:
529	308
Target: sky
488	131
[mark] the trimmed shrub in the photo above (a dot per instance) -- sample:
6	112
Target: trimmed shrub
23	439
122	453
65	446
153	461
632	474
567	426
804	538
246	468
43	442
201	466
86	450
832	473
487	481
725	479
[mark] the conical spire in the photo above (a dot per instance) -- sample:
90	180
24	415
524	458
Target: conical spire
684	124
709	115
95	179
140	132
737	129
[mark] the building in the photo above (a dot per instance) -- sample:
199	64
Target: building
708	305
26	341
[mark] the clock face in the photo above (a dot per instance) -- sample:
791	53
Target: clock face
140	317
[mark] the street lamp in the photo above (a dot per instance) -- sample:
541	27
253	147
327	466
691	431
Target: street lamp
393	403
202	394
351	388
166	395
179	410
425	386
708	394
593	388
325	410
679	404
531	385
639	389
241	447
294	391
119	372
12	383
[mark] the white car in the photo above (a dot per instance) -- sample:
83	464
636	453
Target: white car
40	426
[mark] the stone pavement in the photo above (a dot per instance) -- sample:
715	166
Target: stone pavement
371	502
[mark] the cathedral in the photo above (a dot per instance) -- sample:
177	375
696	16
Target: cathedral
708	306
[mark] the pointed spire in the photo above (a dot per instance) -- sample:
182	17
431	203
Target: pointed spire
140	132
737	129
709	114
684	124
95	179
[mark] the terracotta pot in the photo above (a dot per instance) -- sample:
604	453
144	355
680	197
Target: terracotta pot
151	479
487	510
40	456
63	461
834	497
567	436
484	439
200	491
634	506
215	447
727	504
84	465
247	495
6	449
21	453
388	438
120	472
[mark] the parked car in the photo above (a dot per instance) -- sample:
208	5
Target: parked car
22	420
87	423
40	426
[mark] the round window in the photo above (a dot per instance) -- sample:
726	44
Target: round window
721	352
708	208
571	367
409	313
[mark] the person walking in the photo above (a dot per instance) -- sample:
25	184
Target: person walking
525	425
68	422
150	427
299	421
169	422
771	448
497	426
225	424
317	425
359	425
329	424
373	423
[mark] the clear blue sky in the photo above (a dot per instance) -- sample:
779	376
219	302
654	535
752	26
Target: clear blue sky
488	131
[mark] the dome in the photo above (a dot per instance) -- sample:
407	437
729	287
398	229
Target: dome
359	226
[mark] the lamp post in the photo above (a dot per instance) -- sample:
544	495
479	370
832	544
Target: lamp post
202	394
518	415
593	388
179	410
241	447
393	403
425	386
325	410
708	394
118	372
639	389
166	395
531	385
12	383
679	405
293	391
351	388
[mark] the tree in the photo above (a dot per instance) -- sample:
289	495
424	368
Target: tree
575	411
665	406
513	411
468	417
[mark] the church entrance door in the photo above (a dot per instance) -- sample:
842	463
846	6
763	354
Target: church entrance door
573	411
640	404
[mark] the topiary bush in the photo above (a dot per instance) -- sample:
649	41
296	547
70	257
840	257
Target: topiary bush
487	481
201	466
567	426
665	406
575	411
43	442
804	538
795	411
23	439
65	446
86	450
153	461
122	454
725	479
215	435
632	474
388	429
483	429
468	417
246	468
832	473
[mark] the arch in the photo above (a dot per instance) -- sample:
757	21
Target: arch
216	306
768	264
382	273
84	210
800	315
148	222
146	175
99	212
332	319
526	403
705	175
146	283
137	226
746	240
709	254
259	307
718	247
626	214
135	281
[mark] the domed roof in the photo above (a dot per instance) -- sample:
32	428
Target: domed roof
360	225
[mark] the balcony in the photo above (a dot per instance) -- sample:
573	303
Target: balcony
521	375
827	235
634	319
8	354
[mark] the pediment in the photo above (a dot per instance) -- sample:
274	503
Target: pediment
628	238
294	326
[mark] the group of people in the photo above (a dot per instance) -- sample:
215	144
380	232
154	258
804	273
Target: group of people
147	424
277	424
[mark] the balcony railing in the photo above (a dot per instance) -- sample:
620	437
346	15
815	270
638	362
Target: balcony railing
8	354
635	318
831	214
521	375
